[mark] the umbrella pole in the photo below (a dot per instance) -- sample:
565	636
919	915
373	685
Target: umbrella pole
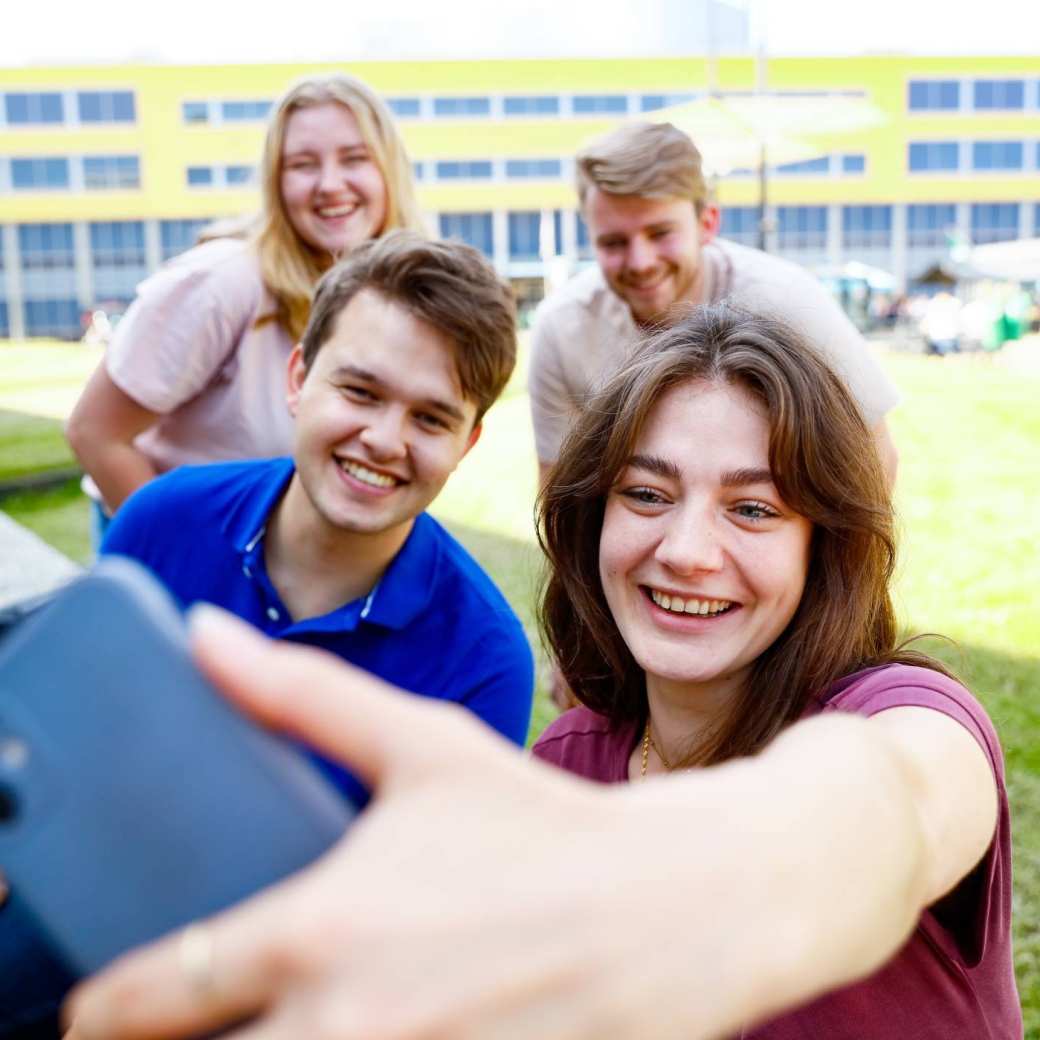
763	200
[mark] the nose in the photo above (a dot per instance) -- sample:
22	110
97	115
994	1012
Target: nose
692	544
641	255
384	435
331	176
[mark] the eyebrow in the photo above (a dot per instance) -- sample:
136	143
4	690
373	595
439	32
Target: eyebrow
356	372
657	465
749	475
731	478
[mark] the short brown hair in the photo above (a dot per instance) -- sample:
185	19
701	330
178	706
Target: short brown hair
825	467
449	285
652	160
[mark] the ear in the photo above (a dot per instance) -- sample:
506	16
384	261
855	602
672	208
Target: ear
474	436
296	373
709	220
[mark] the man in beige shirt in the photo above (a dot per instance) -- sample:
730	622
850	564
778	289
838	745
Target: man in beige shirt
653	229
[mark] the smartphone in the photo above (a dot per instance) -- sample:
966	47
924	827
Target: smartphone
133	798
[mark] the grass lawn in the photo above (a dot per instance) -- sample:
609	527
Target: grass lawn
969	436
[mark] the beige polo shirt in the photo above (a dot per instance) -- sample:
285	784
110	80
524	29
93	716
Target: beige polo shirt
583	333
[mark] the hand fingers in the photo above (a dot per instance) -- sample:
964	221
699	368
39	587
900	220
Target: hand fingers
342	711
194	981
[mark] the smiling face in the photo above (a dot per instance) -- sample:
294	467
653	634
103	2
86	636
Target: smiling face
331	187
381	421
702	563
649	250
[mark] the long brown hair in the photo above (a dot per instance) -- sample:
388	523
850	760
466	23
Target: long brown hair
289	267
825	467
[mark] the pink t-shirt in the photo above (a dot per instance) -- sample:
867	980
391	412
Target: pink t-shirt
954	978
188	348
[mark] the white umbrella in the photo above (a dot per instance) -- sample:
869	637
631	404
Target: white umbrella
1017	261
731	130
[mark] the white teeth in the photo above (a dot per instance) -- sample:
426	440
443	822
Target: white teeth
677	605
367	476
337	211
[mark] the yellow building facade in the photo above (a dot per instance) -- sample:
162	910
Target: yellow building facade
105	172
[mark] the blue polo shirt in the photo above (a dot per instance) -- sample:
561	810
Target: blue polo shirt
435	624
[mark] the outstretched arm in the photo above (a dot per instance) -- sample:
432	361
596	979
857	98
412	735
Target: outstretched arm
101	432
518	901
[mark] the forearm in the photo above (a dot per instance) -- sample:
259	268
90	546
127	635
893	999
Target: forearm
887	452
118	470
798	871
101	432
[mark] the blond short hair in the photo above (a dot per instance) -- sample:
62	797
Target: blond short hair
651	160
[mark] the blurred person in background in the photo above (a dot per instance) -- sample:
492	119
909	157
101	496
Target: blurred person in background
653	228
195	371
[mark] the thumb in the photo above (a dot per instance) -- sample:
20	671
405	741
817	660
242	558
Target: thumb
352	717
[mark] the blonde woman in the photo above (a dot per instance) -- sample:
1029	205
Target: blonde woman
196	371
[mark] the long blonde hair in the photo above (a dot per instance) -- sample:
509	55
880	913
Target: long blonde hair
288	266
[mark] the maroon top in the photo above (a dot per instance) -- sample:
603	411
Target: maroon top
954	978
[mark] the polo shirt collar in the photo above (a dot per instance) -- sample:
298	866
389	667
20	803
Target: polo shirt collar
407	585
403	592
244	525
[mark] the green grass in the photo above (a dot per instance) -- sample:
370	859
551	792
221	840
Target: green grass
39	383
968	432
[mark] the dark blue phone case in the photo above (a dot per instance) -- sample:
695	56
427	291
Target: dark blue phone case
133	798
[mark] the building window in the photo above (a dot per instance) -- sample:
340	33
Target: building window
802	227
999	93
462	106
535	169
117	257
600	104
854	162
472	170
933	156
58	318
23	109
195	112
930	225
997	155
812	167
866	227
582	239
238	176
535	105
244	111
930	95
111	171
39	174
474	229
175	236
994	222
200	176
404	107
525	235
655	102
46	247
106	106
740	224
117	243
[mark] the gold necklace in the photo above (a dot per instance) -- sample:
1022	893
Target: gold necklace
648	743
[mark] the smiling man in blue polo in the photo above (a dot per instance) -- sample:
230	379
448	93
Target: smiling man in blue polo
409	344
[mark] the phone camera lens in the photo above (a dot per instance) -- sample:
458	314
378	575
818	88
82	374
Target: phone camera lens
8	805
